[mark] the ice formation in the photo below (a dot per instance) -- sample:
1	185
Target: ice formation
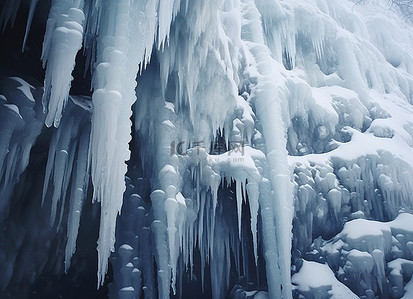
270	139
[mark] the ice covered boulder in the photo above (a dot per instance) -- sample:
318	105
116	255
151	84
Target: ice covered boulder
315	280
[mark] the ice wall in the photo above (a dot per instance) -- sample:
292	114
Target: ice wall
260	126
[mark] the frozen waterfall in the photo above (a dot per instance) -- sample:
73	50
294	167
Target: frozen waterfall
223	148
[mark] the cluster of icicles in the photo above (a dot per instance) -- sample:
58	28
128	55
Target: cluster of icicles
119	38
201	71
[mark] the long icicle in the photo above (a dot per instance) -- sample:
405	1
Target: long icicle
120	54
266	97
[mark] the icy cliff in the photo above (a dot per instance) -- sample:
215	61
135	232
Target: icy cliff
234	147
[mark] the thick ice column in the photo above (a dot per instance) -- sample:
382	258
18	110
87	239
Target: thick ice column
125	42
267	96
269	241
119	54
62	41
169	180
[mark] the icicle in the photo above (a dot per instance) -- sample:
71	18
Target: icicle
158	198
181	218
21	125
14	121
77	195
214	190
267	97
33	4
201	238
171	208
66	180
63	149
60	168
270	243
165	15
238	193
63	39
8	13
114	93
253	197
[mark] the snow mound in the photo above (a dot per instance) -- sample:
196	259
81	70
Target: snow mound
318	280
